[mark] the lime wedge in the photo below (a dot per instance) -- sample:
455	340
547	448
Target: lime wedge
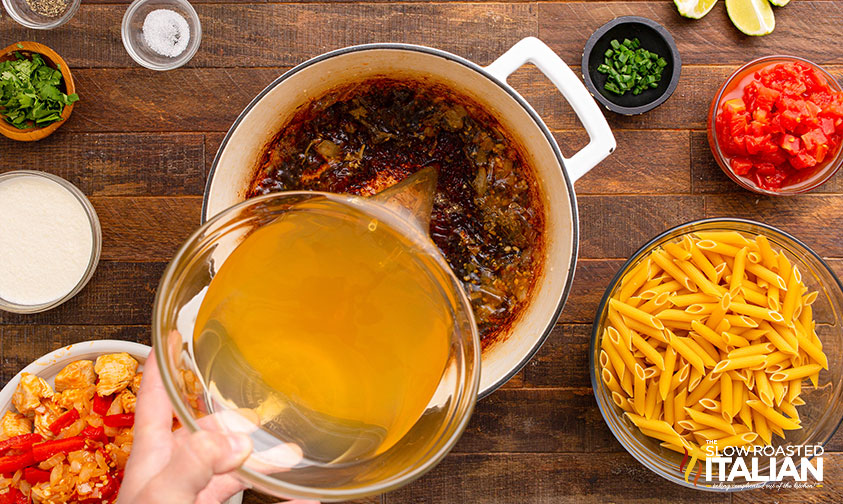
779	3
695	9
752	17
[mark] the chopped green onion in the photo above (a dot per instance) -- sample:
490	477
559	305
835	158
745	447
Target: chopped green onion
630	68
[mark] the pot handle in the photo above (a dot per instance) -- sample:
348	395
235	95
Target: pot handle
532	50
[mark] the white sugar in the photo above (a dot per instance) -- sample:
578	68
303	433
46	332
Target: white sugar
46	240
166	32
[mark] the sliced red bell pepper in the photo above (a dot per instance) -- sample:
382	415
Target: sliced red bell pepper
101	404
94	434
12	463
22	442
64	420
14	496
45	450
120	420
33	475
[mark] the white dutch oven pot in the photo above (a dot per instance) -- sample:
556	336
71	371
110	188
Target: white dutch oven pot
237	159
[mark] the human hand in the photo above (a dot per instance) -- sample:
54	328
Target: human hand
167	467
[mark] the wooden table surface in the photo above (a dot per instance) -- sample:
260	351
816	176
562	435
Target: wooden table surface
140	144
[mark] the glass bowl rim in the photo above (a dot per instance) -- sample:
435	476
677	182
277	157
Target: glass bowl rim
605	299
190	51
470	391
831	168
96	244
14	12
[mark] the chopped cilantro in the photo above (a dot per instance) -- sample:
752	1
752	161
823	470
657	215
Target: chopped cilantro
29	92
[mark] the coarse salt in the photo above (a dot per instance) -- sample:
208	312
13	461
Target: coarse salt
166	32
46	240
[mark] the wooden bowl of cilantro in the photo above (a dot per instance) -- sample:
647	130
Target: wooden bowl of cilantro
36	91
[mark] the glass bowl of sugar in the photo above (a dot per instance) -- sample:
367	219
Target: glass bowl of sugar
161	34
50	240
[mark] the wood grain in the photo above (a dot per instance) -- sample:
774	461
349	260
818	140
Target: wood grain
806	26
563	360
814	219
591	279
519	478
146	228
630	169
538	421
121	164
286	34
638	218
23	344
120	293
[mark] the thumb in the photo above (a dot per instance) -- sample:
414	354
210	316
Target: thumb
194	462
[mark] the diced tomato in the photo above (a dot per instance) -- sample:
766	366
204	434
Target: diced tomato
791	144
766	98
786	118
756	144
741	166
802	160
820	153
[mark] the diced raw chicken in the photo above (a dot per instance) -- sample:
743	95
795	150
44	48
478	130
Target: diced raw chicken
115	372
31	390
15	424
76	375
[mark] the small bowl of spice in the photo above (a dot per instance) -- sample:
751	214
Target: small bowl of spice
631	65
41	14
161	34
36	91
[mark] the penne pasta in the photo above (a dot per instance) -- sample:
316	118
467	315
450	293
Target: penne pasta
708	339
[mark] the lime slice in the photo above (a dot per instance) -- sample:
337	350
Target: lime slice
695	9
779	3
752	17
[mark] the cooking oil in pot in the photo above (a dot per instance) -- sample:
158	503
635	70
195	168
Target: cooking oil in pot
333	326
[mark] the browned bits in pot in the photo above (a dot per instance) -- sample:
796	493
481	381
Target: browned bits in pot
487	217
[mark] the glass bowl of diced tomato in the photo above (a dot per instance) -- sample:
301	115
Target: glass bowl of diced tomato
776	125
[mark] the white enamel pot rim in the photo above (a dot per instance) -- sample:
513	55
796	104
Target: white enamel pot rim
528	50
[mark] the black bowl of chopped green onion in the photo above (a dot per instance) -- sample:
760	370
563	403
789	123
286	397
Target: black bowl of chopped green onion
631	65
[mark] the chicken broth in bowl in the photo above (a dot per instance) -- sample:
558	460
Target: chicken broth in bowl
487	214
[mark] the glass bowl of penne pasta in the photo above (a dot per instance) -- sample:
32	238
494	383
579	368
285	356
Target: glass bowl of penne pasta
721	338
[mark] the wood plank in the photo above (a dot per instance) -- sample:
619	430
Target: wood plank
630	169
23	344
814	219
591	279
831	491
177	101
119	293
146	228
538	421
708	178
519	478
253	497
120	164
286	34
562	360
687	108
186	99
805	28
616	226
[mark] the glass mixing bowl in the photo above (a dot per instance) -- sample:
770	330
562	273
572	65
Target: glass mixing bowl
823	410
276	466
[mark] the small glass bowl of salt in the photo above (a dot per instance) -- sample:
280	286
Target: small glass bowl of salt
161	34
